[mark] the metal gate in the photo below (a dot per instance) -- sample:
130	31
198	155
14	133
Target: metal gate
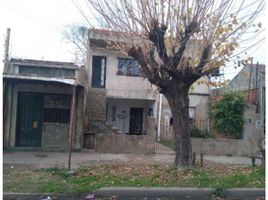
29	119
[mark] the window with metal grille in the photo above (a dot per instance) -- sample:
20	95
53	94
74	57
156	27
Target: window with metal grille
59	115
128	67
47	71
57	108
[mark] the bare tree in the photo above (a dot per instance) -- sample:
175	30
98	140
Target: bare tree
78	36
176	43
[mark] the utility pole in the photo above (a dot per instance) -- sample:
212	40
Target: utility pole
6	49
6	89
71	127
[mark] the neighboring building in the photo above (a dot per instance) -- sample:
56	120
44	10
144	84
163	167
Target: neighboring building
251	82
123	107
37	104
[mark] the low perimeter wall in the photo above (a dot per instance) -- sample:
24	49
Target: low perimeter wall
229	147
121	143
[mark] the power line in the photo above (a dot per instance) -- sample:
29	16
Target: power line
40	22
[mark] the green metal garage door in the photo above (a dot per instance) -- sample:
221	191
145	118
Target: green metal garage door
29	119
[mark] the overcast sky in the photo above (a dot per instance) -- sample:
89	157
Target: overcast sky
37	25
36	28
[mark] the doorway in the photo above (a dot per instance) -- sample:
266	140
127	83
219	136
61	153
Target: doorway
136	119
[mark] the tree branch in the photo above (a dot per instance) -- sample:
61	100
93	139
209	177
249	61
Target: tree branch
189	30
151	74
204	59
156	35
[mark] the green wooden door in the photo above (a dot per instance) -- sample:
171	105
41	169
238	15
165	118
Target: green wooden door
29	119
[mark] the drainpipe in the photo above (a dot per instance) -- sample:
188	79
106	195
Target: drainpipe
159	117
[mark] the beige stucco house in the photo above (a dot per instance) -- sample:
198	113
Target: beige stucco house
124	112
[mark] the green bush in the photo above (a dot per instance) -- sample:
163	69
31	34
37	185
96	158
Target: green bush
197	133
228	114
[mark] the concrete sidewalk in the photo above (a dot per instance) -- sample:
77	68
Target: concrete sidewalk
60	159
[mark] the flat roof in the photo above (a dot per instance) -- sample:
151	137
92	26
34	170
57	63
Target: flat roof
44	63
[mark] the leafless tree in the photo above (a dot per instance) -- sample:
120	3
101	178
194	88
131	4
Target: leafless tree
78	36
176	42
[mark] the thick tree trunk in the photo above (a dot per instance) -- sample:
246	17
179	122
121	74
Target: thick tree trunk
179	104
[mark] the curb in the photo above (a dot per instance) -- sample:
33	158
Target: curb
181	193
155	192
150	192
37	196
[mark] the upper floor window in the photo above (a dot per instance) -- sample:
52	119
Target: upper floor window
98	71
128	67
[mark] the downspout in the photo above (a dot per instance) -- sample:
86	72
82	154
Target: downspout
159	117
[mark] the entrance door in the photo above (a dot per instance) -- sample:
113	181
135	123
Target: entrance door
136	118
29	119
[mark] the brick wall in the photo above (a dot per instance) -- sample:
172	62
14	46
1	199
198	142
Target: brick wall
95	106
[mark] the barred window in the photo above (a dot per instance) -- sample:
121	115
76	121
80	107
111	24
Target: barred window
128	67
58	115
57	108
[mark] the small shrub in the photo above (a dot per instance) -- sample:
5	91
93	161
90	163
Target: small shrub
227	114
197	133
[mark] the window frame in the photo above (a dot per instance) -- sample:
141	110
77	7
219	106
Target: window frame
127	72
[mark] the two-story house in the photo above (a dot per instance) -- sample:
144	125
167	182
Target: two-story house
123	107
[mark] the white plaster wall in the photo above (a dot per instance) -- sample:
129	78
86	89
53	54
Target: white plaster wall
119	85
125	105
200	88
